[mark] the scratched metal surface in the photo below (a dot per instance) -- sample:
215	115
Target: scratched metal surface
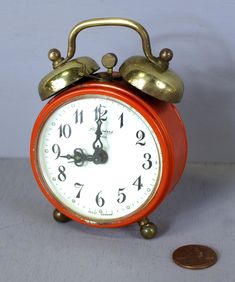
35	248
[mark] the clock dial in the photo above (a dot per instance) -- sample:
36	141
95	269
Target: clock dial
99	158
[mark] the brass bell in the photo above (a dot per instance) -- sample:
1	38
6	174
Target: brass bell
65	73
153	77
149	74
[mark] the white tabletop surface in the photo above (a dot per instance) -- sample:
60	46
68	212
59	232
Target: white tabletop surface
33	247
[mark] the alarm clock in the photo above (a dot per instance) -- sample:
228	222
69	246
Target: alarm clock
109	146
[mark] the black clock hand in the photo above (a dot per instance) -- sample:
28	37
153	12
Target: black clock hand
78	157
67	157
100	156
98	143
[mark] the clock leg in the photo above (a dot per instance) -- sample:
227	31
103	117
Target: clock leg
60	217
148	230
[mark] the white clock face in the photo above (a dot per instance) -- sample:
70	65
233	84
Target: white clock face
99	158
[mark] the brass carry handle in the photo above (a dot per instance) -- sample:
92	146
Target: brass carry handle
109	22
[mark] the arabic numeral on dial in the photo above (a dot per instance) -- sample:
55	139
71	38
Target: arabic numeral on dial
61	175
99	200
148	164
121	195
79	186
65	130
138	183
140	135
78	116
121	120
56	150
100	113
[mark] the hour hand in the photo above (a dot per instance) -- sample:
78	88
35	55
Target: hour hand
78	157
67	157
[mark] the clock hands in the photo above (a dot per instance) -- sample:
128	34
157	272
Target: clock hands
78	157
99	156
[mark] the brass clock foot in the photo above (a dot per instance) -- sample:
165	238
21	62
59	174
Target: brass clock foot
148	230
60	217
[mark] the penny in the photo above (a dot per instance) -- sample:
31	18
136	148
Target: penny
194	256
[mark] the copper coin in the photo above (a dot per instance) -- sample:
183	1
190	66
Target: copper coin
194	256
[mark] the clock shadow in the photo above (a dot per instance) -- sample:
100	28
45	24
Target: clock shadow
199	193
120	232
202	188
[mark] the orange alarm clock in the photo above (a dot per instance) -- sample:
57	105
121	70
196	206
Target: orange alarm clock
108	147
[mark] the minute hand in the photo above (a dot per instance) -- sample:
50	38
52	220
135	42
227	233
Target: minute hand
98	143
99	156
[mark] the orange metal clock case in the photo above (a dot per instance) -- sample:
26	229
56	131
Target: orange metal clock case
162	117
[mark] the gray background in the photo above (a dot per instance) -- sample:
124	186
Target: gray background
201	34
